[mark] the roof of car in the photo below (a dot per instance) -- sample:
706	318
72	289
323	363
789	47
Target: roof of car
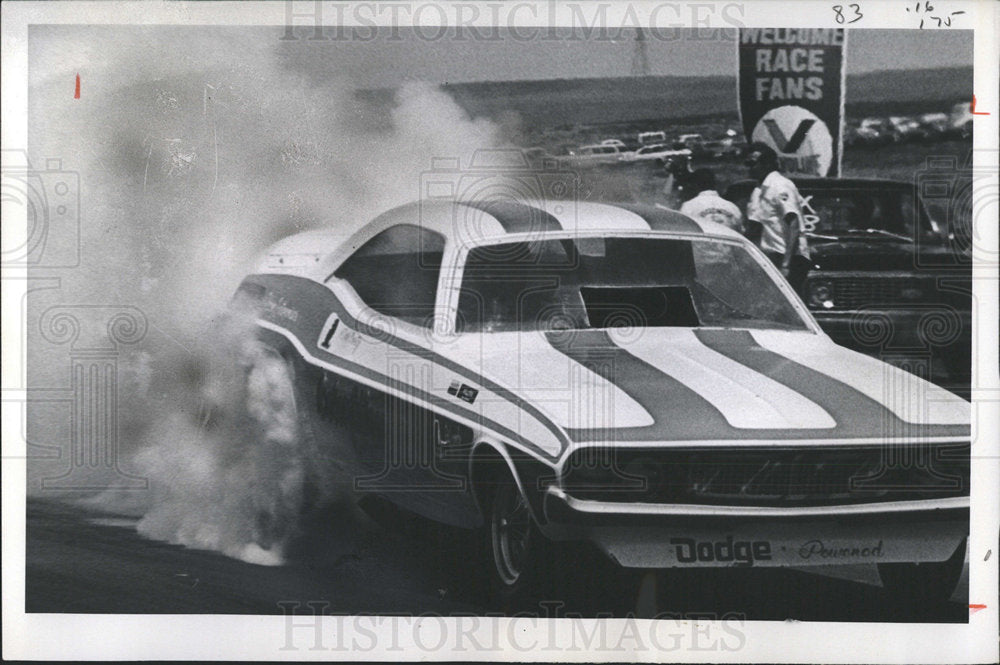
475	222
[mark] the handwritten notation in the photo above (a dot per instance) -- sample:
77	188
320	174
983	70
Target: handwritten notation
938	19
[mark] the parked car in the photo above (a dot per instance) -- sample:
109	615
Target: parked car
866	133
961	119
887	271
876	132
693	142
908	128
567	372
595	155
936	125
657	154
727	148
651	138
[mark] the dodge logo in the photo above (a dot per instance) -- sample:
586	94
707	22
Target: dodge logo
740	552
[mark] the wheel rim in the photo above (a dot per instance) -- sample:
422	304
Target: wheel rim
511	531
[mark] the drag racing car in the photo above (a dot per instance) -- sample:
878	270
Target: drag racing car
557	374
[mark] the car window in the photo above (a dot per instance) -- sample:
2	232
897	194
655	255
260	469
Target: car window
612	282
396	272
871	211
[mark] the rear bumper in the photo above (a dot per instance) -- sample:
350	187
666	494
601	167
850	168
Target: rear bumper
641	535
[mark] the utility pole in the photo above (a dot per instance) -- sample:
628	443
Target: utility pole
640	58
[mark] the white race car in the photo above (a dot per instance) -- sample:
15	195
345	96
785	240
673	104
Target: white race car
558	371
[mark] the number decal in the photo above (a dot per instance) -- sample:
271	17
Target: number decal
328	330
809	217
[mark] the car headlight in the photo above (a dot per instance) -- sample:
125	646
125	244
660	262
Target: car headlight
821	295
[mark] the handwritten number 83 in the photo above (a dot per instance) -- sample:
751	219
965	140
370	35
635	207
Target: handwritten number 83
839	11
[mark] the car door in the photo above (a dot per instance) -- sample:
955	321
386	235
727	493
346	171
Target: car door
396	276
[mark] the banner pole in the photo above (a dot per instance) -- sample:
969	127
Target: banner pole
843	117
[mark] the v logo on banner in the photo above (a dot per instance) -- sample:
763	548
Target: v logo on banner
791	144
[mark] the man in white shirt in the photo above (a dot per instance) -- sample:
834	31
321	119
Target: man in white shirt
774	216
708	206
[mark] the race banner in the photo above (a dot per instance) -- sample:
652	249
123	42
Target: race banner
791	95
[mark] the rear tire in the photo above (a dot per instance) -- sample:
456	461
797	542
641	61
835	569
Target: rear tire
932	581
278	467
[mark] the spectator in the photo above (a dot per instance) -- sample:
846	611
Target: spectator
676	189
774	216
708	206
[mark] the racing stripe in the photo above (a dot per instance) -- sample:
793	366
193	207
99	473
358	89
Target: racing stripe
856	414
516	217
747	399
314	302
678	411
570	394
660	219
910	398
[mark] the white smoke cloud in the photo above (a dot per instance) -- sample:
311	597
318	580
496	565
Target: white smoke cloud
192	160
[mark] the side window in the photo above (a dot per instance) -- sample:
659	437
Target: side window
396	273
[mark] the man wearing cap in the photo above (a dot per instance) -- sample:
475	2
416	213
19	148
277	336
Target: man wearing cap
774	216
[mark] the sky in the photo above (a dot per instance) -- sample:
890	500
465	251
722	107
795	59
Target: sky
387	62
145	52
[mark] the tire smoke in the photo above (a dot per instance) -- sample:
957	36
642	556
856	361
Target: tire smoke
191	162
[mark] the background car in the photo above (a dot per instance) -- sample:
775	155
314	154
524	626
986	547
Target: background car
888	277
725	148
651	137
960	119
657	153
693	142
937	126
909	128
595	155
871	132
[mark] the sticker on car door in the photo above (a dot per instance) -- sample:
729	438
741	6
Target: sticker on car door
328	331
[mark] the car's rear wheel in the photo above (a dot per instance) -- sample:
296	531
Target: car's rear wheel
933	581
276	435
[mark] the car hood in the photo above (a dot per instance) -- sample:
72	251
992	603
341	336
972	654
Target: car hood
853	253
672	384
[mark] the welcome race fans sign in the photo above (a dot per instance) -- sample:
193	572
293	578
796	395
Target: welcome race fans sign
791	95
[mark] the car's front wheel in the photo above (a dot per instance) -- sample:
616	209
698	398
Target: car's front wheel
923	582
517	554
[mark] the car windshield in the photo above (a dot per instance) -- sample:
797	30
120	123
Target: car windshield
619	282
886	213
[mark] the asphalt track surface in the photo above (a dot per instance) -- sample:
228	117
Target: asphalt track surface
84	562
